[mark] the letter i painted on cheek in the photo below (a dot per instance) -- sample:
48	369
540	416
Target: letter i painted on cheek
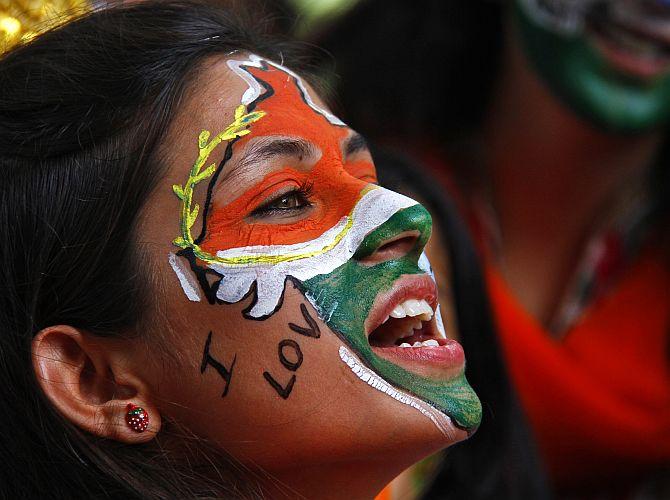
207	359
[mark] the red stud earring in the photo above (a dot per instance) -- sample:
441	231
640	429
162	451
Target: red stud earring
137	418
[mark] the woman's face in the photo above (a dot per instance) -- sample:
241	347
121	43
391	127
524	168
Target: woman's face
292	280
606	59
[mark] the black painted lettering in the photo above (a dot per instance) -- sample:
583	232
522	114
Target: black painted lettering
284	392
312	330
207	359
290	345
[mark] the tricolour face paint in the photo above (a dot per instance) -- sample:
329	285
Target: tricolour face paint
606	60
321	247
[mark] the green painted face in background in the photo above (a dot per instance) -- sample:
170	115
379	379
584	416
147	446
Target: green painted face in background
605	62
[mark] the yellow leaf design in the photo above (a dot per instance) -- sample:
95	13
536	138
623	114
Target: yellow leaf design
178	190
238	128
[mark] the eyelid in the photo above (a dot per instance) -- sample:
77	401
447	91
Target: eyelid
271	192
275	195
265	209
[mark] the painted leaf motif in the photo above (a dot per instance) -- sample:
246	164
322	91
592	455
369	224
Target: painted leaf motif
202	139
178	190
204	174
193	215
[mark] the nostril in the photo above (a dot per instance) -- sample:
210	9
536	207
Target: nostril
399	244
393	248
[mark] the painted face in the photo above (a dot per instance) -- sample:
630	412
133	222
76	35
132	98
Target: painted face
315	275
607	60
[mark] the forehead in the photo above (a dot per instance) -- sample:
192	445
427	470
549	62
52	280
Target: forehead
217	90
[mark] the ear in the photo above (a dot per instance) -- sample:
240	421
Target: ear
91	384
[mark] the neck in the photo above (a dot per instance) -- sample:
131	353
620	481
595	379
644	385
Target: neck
351	480
552	176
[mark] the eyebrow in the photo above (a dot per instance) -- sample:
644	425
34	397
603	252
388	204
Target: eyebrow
354	144
266	149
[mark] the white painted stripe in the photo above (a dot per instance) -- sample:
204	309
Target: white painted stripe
185	278
441	420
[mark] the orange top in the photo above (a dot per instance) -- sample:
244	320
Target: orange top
386	493
598	400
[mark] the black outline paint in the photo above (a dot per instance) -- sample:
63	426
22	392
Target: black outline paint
269	92
313	331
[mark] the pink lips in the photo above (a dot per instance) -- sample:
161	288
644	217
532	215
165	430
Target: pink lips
609	38
442	361
448	353
631	64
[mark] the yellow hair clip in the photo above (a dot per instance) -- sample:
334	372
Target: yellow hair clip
21	20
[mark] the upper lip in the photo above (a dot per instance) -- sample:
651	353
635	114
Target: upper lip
416	286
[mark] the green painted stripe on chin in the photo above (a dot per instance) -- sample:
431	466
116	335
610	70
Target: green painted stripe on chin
344	298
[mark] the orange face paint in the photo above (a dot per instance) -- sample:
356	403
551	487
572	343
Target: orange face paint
335	184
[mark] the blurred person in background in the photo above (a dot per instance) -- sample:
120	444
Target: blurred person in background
546	122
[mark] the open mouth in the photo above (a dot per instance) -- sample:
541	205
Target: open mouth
402	328
632	36
410	324
405	335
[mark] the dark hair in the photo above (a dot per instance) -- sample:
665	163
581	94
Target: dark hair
83	111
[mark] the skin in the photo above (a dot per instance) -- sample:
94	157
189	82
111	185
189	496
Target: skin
332	436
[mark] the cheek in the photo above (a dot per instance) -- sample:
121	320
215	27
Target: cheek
251	383
276	391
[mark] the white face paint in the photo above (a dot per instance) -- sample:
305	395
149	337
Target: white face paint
269	266
255	89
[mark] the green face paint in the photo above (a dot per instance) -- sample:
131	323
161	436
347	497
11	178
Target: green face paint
576	71
345	297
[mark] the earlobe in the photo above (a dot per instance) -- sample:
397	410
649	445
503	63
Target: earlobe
91	386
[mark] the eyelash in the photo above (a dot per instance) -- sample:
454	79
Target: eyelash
304	191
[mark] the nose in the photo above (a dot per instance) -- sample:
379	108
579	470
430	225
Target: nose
403	235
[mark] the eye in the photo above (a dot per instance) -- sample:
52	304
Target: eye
286	204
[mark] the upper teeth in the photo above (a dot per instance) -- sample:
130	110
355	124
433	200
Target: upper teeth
425	343
413	307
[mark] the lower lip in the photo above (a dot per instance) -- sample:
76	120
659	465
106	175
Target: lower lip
448	356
